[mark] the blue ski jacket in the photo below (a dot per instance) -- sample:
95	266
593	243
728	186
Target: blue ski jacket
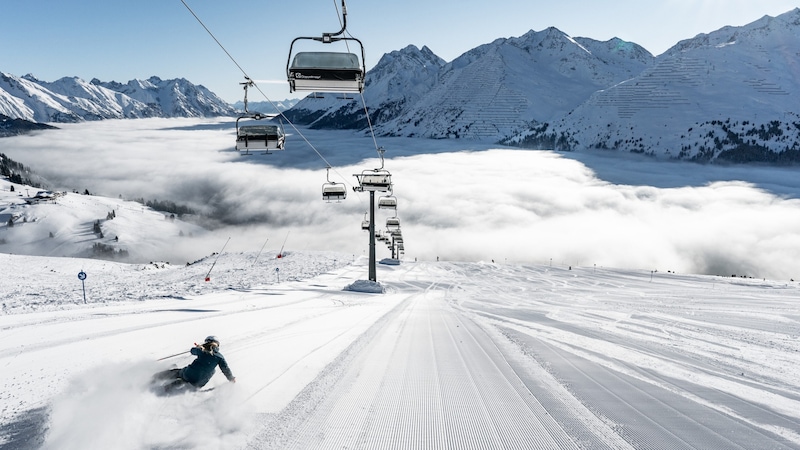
202	369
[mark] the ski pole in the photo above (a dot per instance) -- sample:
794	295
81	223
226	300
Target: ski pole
171	356
176	354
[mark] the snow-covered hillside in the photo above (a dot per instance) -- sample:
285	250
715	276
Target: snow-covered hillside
40	222
453	355
730	95
71	99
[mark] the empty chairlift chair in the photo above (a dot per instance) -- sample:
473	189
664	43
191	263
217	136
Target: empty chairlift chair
377	180
326	72
388	202
332	191
259	137
254	133
393	224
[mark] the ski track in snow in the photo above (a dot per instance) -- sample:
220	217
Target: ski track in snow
453	355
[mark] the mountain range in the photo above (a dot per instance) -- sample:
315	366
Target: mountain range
71	99
727	96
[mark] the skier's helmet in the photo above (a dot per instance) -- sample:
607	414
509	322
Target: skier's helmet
213	339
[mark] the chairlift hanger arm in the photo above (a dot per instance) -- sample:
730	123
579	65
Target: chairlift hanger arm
246	84
326	37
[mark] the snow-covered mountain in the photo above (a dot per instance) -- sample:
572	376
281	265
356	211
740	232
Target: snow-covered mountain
172	98
489	92
71	99
731	95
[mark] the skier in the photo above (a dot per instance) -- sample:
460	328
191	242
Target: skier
198	373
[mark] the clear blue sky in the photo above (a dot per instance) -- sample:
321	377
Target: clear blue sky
121	40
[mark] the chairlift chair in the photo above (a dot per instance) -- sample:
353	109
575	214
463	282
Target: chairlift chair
365	223
393	224
377	180
333	191
326	72
258	137
388	202
319	71
253	135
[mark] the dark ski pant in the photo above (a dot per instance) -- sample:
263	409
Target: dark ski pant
170	381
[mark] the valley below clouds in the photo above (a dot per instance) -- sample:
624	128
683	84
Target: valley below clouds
457	200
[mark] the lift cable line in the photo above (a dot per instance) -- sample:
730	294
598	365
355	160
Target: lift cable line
255	85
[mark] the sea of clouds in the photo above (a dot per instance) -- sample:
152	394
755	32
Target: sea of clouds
457	200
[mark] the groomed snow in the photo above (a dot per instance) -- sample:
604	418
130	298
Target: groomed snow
452	355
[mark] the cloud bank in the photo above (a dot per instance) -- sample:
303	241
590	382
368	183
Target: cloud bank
458	201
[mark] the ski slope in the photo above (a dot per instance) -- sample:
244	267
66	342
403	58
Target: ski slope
453	355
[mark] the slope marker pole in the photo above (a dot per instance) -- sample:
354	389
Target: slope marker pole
280	253
208	275
259	252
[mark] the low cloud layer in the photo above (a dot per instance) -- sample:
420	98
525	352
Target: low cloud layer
459	201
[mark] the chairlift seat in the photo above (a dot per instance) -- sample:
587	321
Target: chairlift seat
393	224
387	203
260	137
326	72
334	191
376	180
